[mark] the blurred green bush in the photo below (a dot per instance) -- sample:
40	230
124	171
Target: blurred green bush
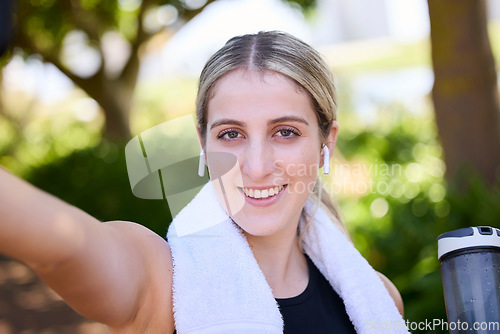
408	205
95	180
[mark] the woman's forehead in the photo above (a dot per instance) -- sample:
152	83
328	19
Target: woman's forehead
262	94
250	76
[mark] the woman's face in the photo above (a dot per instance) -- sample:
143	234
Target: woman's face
268	122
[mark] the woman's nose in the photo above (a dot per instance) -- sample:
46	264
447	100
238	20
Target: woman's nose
257	160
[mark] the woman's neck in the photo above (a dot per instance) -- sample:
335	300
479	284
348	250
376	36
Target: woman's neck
282	262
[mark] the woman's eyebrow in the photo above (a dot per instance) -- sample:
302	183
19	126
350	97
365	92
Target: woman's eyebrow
226	121
288	119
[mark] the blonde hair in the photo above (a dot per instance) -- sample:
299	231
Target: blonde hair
279	52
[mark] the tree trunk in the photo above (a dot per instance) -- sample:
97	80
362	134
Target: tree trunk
116	99
465	90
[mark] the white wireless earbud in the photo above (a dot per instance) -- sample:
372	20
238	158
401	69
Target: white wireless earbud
201	164
326	159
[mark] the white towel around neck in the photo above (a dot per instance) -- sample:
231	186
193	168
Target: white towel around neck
219	288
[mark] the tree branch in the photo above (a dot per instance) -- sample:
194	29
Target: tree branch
51	56
132	66
83	19
190	13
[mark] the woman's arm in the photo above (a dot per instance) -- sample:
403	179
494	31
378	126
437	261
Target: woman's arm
105	271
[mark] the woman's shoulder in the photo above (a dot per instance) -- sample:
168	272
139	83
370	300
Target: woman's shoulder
154	312
139	236
153	249
393	292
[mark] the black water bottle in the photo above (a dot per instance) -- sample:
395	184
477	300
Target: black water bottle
470	270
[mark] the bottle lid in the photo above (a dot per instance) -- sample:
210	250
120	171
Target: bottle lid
468	238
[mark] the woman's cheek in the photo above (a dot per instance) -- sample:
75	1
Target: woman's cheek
291	171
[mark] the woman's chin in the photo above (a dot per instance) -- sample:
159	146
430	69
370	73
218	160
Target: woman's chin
265	225
260	232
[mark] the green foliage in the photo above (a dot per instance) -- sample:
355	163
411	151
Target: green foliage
30	135
305	5
395	222
95	180
159	100
45	23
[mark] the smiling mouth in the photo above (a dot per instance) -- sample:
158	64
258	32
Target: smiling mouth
263	193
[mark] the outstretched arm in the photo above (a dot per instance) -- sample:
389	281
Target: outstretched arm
105	271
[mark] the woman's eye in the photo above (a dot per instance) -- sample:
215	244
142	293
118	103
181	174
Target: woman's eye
287	133
228	135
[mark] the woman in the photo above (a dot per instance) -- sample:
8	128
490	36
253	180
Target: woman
268	100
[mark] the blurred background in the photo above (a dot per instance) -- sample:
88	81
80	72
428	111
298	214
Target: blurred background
419	146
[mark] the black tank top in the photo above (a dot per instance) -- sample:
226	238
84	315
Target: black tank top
317	310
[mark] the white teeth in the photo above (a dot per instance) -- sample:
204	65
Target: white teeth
264	193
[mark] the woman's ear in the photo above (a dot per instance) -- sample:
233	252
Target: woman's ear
200	137
330	141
